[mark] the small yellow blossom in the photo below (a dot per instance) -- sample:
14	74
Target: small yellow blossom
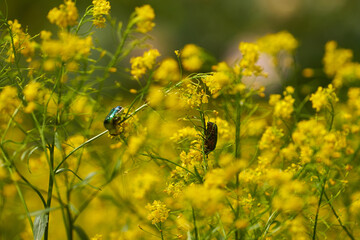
217	81
191	57
250	56
187	132
354	100
271	139
144	18
323	97
22	42
308	72
158	212
335	58
273	44
69	46
168	71
64	16
140	64
97	237
208	200
283	108
101	8
348	73
82	107
9	101
142	184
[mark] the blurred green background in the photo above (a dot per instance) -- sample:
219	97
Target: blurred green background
218	26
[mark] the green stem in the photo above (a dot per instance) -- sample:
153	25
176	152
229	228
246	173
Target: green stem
77	148
338	218
161	231
318	207
50	190
237	156
195	227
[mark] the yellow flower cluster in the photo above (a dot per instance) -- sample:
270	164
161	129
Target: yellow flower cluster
187	132
64	16
101	9
338	64
158	212
140	64
22	42
142	184
9	101
68	47
271	139
168	71
315	143
208	200
193	94
219	79
354	101
348	73
283	108
290	197
36	95
191	57
273	44
335	58
322	97
250	56
144	18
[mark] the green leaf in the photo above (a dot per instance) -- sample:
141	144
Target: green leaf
40	224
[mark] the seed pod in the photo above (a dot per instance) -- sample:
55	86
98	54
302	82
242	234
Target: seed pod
210	137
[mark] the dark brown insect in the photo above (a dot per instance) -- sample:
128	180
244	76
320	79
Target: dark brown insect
210	140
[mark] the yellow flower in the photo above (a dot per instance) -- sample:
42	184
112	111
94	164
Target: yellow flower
322	97
158	212
208	200
22	42
82	107
187	132
354	100
143	183
140	64
250	56
335	58
144	18
101	8
68	47
348	73
283	108
9	101
273	44
192	93
97	237
168	71
191	57
64	16
217	81
271	139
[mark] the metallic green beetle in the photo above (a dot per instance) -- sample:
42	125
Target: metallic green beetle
112	120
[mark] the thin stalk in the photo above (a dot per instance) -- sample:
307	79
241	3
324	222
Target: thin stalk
237	156
195	227
161	231
338	218
318	207
77	148
50	190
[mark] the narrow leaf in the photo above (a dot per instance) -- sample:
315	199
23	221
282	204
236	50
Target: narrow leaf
40	223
